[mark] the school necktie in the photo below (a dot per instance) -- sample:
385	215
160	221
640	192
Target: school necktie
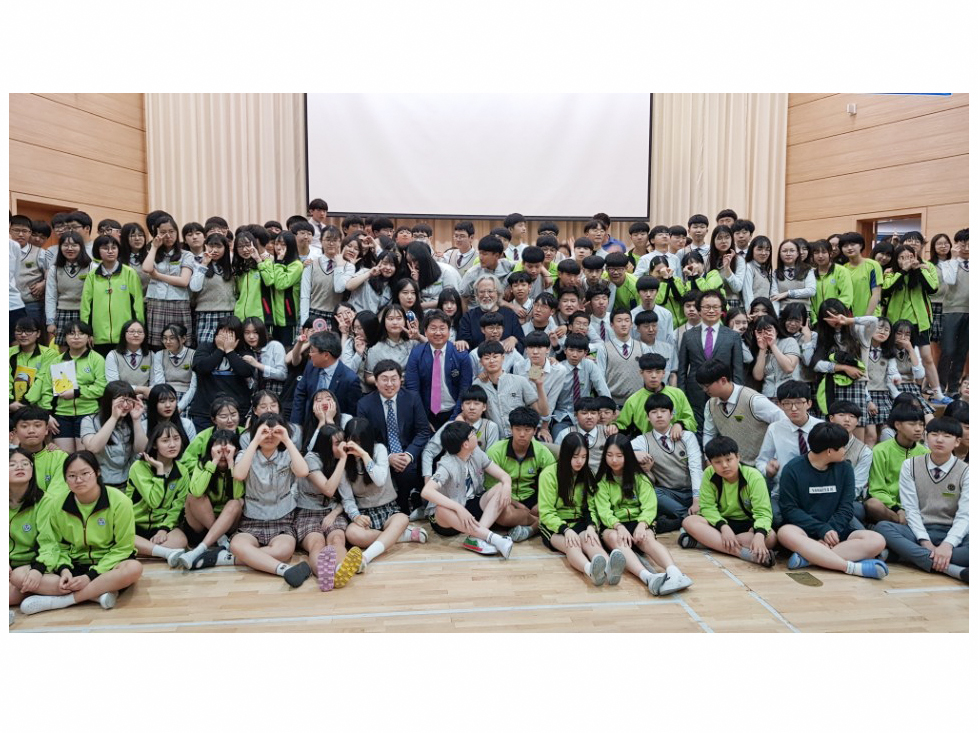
458	262
175	359
665	442
132	360
604	333
624	351
964	264
436	384
329	266
937	473
72	269
577	385
802	443
789	273
874	353
708	346
393	438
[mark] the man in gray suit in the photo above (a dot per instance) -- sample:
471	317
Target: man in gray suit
709	340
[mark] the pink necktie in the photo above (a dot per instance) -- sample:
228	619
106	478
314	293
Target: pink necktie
436	384
708	348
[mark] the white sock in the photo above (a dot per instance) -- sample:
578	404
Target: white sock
673	572
225	558
165	552
37	603
196	552
375	549
497	541
280	570
587	568
646	575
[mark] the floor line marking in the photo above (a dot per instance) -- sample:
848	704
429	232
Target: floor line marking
774	612
347	616
730	575
928	590
695	616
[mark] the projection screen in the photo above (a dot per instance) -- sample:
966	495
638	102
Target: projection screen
547	156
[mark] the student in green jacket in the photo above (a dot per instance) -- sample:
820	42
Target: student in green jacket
26	573
113	295
30	428
28	360
224	416
883	503
253	278
215	499
626	507
567	523
287	276
735	514
634	419
831	280
86	539
72	406
158	486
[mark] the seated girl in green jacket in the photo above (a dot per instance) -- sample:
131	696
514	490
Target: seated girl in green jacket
626	507
26	573
85	539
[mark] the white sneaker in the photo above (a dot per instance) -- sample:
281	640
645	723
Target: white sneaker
107	600
598	572
474	544
173	559
416	515
616	566
507	549
11	617
671	584
655	582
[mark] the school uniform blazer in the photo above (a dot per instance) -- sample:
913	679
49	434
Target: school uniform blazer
345	385
726	347
458	374
412	421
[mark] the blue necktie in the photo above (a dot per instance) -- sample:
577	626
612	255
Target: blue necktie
393	438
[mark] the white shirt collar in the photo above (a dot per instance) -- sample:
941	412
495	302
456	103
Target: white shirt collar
945	467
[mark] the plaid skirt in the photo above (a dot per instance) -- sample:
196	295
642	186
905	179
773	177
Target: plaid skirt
937	324
914	389
161	313
380	514
855	392
205	325
266	530
61	321
884	403
310	521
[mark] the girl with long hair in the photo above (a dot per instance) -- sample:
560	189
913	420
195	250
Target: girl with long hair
793	280
170	269
115	433
131	360
213	284
65	283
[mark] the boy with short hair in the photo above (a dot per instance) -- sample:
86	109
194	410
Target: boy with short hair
318	211
593	269
622	353
690	314
858	454
647	325
549	245
506	391
583	378
633	419
568	278
541	317
639	235
934	495
523	458
474	404
597	299
817	491
462	255
532	261
742	230
516	226
675	465
607	411
648	293
519	282
492	325
624	293
491	262
583	247
699	225
677	239
537	361
735	510
457	492
587	423
30	427
883	504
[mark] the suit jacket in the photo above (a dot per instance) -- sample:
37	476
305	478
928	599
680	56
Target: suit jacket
470	332
412	421
458	374
726	347
345	386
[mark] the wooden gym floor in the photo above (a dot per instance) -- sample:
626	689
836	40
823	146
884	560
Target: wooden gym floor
438	587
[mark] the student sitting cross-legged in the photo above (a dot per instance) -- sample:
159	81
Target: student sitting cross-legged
816	503
456	491
625	504
567	513
734	508
934	495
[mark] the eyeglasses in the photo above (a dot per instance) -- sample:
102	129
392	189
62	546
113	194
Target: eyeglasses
25	331
74	226
794	404
710	308
83	476
135	332
19	230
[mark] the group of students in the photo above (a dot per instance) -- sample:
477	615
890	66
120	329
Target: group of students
327	390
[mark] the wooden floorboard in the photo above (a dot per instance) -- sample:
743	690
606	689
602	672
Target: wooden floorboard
439	587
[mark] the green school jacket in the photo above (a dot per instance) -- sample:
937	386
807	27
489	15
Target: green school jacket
884	474
193	452
525	475
38	359
554	514
836	284
248	287
612	508
157	500
49	467
912	304
103	540
748	499
90	371
108	302
285	293
23	538
633	412
200	485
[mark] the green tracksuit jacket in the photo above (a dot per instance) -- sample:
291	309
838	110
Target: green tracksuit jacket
200	485
612	507
554	514
748	499
884	474
633	412
90	371
157	500
109	301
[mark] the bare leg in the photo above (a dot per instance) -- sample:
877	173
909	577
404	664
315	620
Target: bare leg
517	514
876	511
313	544
121	576
200	515
49	586
656	551
575	555
930	369
449	518
246	551
632	563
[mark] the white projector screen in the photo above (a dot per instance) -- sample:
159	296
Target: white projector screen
546	156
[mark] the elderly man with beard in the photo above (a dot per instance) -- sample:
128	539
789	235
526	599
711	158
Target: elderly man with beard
488	291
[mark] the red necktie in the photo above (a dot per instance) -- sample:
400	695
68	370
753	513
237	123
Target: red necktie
665	442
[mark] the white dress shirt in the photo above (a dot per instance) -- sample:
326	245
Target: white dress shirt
760	406
911	506
781	443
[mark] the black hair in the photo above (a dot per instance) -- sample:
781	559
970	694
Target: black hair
135	256
40	228
81	218
644	317
912	235
599	288
548	226
630	471
716	256
647	282
161	429
388	365
240	265
176	251
883	248
83	259
727	214
720	446
216	221
178	329
710	294
742	225
905	410
547	240
381	222
377	282
792	311
659	401
961	235
548	299
569	266
567	480
399	287
845	407
382	321
501	233
584	242
465	226
272	224
435	315
273	420
103	240
827	436
221	482
766	302
114	389
697	219
616	259
576	341
586	404
640	226
475	392
85	456
958	409
677	230
422	229
712	370
33	493
453	295
945	424
889	348
831	341
536	339
761	241
360	431
122	347
222	401
157	393
291	248
532	255
934	257
28	413
519	276
594	224
652	362
318	204
606	403
190	228
224	263
512	220
801	267
429	271
794	389
300	226
454	435
490	347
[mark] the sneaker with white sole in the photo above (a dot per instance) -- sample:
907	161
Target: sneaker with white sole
474	544
520	532
416	514
107	600
616	566
686	540
507	549
173	559
598	574
672	584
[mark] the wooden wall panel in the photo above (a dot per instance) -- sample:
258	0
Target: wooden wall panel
825	117
929	183
35	120
939	135
124	108
949	219
796	99
812	229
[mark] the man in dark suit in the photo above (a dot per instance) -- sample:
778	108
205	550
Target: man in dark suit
488	293
401	424
454	371
709	340
325	371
